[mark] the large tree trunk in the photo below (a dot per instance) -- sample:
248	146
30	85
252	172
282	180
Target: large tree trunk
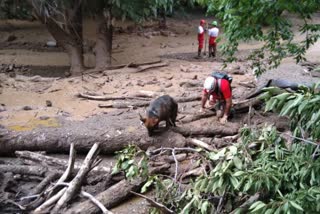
68	36
103	46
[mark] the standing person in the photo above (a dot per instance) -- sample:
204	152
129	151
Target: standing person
201	31
213	34
219	94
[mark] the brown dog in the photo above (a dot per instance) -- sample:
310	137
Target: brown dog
164	108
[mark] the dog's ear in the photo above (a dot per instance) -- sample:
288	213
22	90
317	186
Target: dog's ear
142	119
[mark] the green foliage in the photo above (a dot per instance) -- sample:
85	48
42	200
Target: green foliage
302	107
244	20
284	176
17	9
132	161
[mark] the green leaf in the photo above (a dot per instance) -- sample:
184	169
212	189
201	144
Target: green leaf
204	207
259	206
237	162
146	185
295	205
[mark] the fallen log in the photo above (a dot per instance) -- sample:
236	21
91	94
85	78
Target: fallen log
209	131
55	162
109	198
113	136
23	170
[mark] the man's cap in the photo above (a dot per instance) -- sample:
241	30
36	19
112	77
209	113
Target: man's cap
202	21
209	83
214	23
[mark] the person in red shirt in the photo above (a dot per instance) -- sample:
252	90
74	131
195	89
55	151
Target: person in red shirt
219	94
201	31
213	34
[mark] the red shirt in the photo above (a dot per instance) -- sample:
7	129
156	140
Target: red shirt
225	90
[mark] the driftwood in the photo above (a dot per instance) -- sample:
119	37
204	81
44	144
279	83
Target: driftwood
23	170
44	183
109	198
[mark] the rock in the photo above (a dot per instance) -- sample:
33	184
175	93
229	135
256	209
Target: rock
12	74
190	84
129	84
67	74
140	83
164	33
169	77
27	108
155	33
195	77
10	67
2	108
44	117
48	103
11	38
168	85
51	43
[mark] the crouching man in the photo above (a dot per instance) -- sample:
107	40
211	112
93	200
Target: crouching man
218	92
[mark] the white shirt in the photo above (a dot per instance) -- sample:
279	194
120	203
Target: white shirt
213	32
200	29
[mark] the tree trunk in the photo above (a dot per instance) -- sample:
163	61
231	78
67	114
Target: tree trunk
103	46
68	36
109	198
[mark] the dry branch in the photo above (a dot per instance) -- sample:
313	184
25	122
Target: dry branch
161	207
200	144
75	184
96	202
107	98
44	183
50	201
24	170
148	67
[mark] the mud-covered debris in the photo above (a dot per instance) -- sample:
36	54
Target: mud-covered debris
11	38
27	108
44	117
48	103
168	85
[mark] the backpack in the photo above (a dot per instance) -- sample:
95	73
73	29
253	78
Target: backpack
218	76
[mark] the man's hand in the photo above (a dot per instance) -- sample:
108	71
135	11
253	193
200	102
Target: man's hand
224	119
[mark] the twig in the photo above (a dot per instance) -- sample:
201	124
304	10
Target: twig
176	164
304	140
315	152
220	202
177	149
96	202
163	208
16	204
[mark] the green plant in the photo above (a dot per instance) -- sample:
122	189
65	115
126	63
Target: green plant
302	107
132	161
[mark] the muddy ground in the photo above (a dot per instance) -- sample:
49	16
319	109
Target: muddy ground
24	98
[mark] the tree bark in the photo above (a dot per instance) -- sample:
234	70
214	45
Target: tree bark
103	48
109	198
